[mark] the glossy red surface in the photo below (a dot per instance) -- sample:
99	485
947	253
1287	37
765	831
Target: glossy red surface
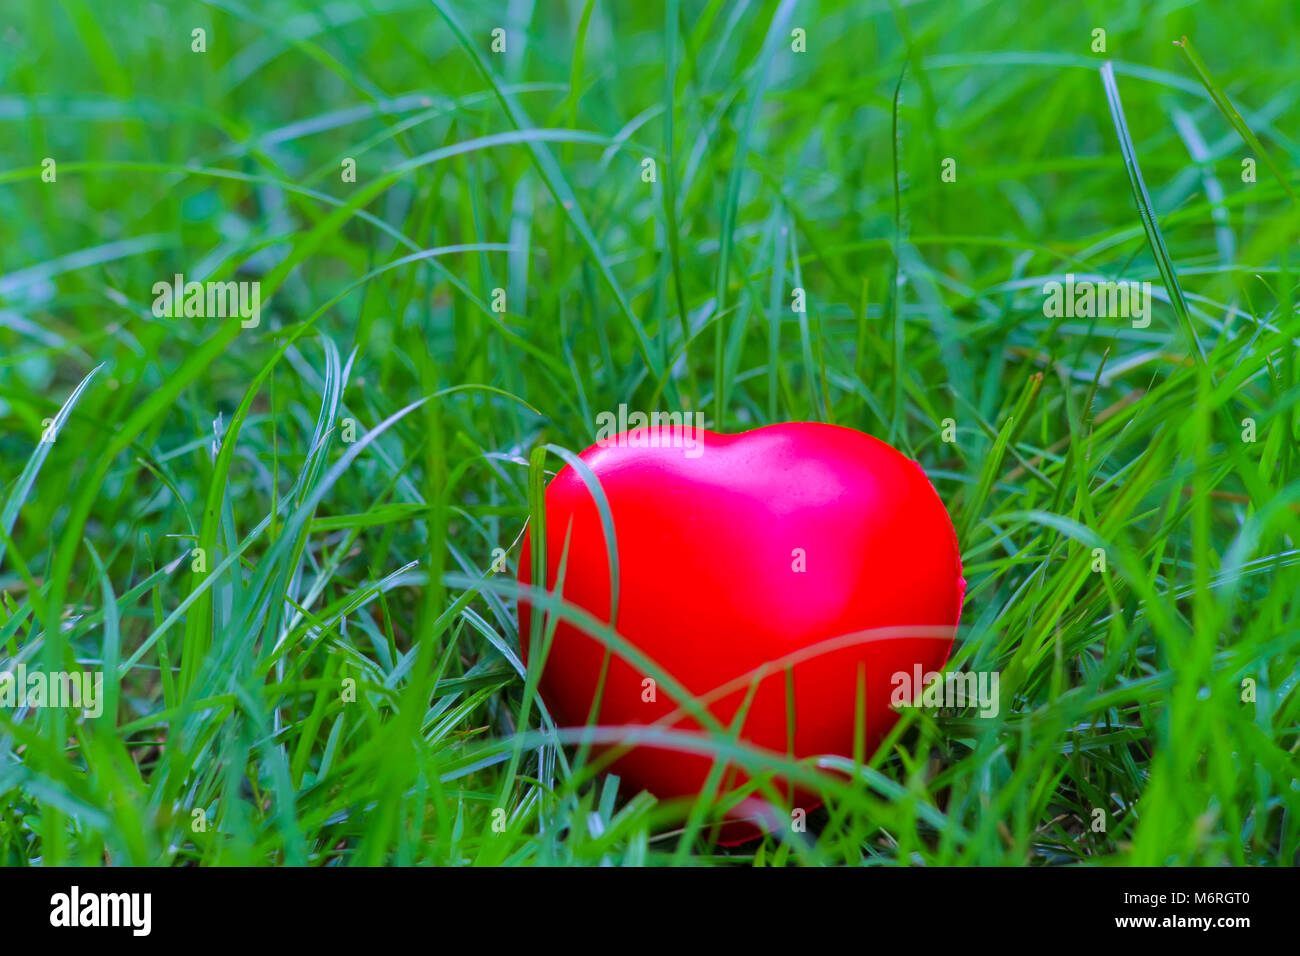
709	586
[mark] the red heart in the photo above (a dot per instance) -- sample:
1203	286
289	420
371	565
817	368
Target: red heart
709	531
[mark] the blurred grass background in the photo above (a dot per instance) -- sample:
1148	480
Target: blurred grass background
347	535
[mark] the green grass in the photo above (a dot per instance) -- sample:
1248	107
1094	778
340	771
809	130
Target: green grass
350	466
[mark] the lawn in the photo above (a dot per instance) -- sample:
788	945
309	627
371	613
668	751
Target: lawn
282	521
